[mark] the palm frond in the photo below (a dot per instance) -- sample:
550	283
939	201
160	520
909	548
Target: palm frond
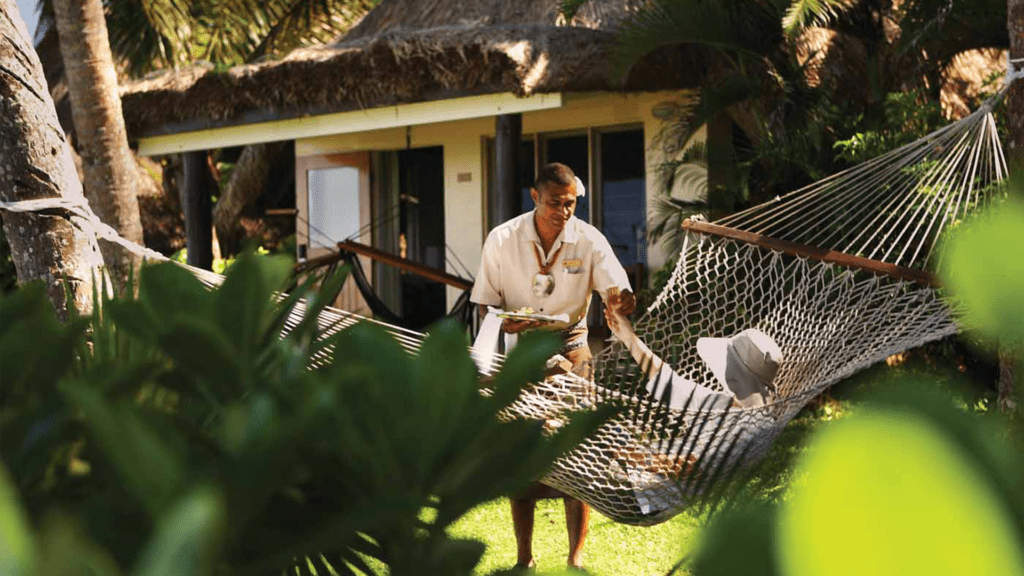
804	13
150	34
681	193
302	22
738	28
951	26
232	28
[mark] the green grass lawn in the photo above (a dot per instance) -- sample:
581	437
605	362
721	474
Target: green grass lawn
610	548
615	549
619	550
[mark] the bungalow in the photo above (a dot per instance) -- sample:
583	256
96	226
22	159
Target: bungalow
421	129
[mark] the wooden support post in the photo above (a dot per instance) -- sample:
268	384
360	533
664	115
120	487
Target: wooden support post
505	187
198	209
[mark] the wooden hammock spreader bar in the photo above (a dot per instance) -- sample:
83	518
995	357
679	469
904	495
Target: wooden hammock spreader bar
281	212
821	254
427	272
314	263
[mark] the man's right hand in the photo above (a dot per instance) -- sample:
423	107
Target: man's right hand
512	326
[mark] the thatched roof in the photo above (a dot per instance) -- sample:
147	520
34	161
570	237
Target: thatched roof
398	15
382	61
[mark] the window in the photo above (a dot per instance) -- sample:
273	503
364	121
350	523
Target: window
333	205
616	201
573	151
622	173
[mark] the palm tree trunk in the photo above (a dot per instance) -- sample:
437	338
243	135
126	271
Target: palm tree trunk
1015	98
35	162
1015	159
248	181
111	180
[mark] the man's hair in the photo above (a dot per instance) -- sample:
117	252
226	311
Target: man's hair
554	173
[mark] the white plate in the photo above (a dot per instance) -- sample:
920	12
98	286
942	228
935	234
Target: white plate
522	316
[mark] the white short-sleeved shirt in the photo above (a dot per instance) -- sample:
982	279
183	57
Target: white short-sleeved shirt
508	266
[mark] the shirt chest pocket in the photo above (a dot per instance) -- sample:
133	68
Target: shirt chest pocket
573	266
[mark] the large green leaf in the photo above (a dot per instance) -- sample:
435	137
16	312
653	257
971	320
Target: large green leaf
888	493
187	539
523	365
66	549
148	465
18	558
35	350
167	292
150	34
985	272
246	298
198	347
445	384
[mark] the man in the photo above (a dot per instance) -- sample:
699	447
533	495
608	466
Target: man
550	261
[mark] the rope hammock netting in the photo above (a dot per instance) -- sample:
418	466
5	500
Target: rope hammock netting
840	288
832	273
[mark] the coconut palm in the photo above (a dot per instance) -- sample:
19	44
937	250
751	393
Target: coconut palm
150	35
110	176
36	164
775	67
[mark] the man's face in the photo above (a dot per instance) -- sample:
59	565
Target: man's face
555	204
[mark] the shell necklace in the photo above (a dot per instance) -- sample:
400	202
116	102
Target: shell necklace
544	281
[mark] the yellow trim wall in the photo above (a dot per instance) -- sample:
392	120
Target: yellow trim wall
464	162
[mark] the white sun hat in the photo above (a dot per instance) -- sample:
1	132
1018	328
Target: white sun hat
745	364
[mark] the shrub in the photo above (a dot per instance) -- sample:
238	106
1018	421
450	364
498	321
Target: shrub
179	432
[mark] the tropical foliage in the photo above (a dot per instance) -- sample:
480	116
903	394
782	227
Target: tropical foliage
178	433
149	35
864	493
811	85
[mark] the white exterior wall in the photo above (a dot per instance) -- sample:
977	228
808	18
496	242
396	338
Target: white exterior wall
463	143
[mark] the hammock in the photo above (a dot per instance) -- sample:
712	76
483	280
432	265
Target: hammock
832	272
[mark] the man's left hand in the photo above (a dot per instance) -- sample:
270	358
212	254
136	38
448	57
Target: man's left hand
618	305
623	303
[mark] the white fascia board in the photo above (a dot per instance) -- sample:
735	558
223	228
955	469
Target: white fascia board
348	122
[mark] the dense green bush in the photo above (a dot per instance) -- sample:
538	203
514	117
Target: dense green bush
177	433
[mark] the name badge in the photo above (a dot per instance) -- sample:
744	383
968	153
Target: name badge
572	266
